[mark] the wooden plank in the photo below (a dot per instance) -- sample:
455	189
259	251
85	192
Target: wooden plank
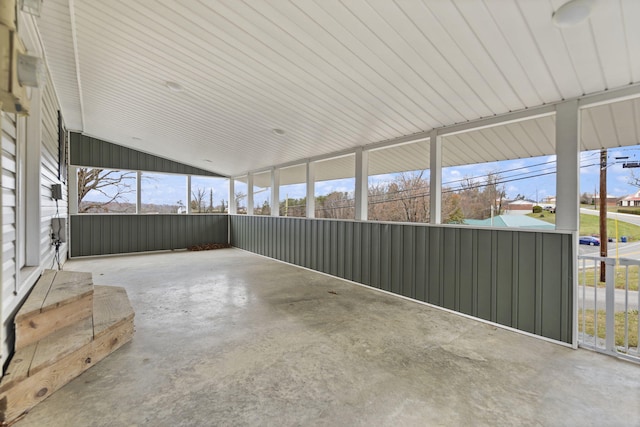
67	287
35	300
18	368
57	345
38	325
111	307
26	394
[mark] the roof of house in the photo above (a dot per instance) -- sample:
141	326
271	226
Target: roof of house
511	221
635	196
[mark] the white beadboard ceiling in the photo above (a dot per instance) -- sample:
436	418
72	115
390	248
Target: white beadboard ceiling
335	75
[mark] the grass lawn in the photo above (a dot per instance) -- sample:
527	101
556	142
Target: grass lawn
619	326
590	225
586	276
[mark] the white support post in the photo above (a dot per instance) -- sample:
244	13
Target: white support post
138	192
568	186
435	179
189	195
233	209
362	184
249	194
311	190
275	192
610	332
568	166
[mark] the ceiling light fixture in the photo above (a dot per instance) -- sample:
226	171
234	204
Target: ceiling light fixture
573	13
174	87
278	131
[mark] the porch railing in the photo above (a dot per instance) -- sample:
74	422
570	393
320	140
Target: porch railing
615	306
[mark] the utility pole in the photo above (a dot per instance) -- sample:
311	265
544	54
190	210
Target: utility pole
603	211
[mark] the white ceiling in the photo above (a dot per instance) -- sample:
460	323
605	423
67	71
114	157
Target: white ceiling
334	75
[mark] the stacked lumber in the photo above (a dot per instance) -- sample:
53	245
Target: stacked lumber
65	326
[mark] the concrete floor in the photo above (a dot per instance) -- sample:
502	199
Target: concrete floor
226	337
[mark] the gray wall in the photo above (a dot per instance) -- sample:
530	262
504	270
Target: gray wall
116	233
93	152
515	278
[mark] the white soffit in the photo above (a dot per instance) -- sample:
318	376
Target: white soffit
333	75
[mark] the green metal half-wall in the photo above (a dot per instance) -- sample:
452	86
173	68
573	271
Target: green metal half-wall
520	279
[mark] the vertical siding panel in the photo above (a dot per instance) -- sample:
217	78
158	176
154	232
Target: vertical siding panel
349	250
449	272
566	314
504	279
385	257
484	275
551	287
333	248
375	261
526	282
395	257
433	288
421	263
356	250
340	245
465	272
365	250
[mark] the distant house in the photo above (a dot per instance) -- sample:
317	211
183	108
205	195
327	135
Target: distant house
511	221
518	207
595	200
630	200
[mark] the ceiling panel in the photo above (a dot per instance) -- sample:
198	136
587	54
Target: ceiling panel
334	75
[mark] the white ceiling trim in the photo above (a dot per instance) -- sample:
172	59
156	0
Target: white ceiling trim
74	38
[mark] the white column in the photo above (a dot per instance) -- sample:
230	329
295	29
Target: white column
362	184
188	195
311	190
138	192
435	179
233	209
275	192
568	166
249	194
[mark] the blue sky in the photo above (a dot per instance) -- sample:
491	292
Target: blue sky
533	178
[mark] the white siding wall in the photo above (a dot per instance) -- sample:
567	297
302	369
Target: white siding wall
16	283
49	174
9	134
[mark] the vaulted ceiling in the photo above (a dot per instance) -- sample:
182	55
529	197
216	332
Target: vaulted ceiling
334	75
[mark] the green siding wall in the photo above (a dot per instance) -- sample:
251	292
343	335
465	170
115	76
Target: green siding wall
519	279
117	234
92	152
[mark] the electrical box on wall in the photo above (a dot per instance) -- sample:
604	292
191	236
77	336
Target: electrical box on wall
13	95
56	191
59	229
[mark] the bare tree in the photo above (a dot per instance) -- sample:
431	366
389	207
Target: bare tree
111	184
238	197
198	199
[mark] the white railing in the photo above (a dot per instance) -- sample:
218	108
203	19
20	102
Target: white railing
620	307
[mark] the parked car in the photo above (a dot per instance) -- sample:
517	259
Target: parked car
589	240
